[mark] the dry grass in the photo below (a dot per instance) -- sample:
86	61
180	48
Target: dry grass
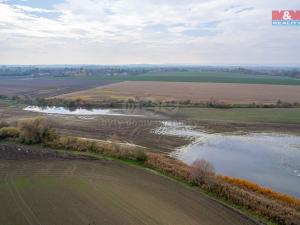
168	165
196	92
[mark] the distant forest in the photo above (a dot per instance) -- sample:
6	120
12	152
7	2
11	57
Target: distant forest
135	70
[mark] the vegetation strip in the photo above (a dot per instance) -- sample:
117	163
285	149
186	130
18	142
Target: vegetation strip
133	104
217	77
277	207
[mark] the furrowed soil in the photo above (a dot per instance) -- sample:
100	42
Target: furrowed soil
136	130
45	87
40	186
196	92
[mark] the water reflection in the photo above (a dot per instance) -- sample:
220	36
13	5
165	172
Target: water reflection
270	159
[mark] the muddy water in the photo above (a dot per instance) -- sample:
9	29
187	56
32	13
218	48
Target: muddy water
270	159
80	111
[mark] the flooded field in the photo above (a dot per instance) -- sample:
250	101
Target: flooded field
270	159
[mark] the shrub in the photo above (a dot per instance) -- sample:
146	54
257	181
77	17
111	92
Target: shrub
74	144
35	131
3	124
113	148
120	151
168	165
272	209
141	156
203	174
262	190
202	171
9	132
92	146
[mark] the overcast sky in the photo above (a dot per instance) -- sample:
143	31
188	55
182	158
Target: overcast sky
146	31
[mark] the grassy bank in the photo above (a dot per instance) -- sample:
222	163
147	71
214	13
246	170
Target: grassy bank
264	115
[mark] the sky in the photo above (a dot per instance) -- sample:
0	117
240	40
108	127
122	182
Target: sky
146	32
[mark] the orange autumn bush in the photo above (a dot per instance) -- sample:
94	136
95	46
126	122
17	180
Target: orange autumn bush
262	190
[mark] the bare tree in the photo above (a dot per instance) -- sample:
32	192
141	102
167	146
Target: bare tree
202	171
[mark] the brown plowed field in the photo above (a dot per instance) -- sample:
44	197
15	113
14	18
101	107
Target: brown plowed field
45	87
62	190
196	92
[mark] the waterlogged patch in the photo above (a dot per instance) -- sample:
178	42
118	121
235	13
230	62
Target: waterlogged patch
79	111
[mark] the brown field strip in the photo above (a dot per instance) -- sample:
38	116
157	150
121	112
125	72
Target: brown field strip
196	92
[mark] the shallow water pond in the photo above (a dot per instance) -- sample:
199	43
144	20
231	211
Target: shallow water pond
79	111
270	159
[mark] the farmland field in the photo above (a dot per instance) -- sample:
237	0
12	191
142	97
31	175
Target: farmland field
196	92
210	77
216	77
135	130
45	87
126	112
39	186
139	130
248	115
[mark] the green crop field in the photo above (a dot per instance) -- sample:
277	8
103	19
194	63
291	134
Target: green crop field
216	77
82	82
256	115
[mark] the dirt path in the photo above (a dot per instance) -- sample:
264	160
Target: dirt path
39	189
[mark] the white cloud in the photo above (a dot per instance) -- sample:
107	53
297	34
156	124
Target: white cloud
147	31
35	10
